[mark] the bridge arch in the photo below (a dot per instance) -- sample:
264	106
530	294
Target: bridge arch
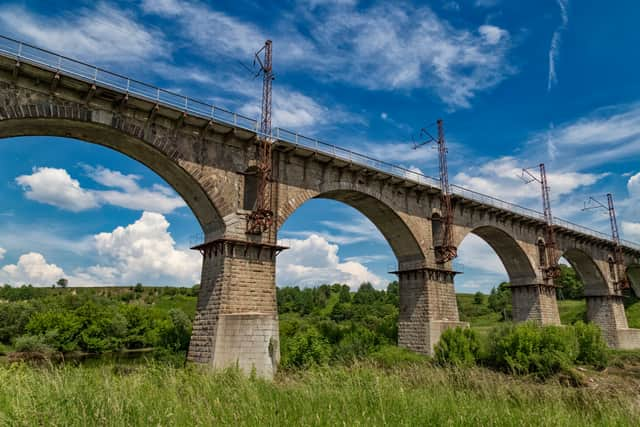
595	282
162	154
397	232
514	258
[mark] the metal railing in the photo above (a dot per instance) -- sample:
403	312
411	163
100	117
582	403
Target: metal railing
24	52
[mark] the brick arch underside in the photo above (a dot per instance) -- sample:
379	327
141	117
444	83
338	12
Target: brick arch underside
131	146
396	232
513	257
588	271
633	273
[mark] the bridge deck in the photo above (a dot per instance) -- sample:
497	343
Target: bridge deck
14	52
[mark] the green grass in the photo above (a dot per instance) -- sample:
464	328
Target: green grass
572	310
183	302
414	394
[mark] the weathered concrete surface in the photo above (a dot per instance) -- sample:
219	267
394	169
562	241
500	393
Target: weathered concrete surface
207	162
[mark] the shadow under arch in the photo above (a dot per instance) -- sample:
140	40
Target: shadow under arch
133	147
633	274
395	231
513	257
588	271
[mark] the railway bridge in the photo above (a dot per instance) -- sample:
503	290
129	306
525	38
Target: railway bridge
208	154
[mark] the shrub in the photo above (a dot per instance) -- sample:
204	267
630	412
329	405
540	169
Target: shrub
458	347
592	347
31	344
305	348
391	356
528	348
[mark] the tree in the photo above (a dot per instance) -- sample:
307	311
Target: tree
478	298
570	284
62	283
500	300
138	289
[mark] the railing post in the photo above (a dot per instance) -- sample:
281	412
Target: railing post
19	49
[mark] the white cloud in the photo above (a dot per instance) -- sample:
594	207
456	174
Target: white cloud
476	254
357	230
554	49
162	7
633	186
31	268
386	46
2	252
492	34
143	252
481	267
631	230
500	178
292	109
104	33
606	135
56	187
314	261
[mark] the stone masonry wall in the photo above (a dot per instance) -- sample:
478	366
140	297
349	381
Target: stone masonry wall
236	311
536	303
608	313
427	307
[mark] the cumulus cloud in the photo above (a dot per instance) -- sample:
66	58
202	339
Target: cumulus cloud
31	268
314	261
143	252
104	33
56	187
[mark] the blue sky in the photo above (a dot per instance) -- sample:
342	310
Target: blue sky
517	83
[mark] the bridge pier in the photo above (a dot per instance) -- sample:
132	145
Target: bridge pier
236	321
607	311
535	302
427	307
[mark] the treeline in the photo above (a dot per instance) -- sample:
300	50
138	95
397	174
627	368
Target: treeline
331	323
41	320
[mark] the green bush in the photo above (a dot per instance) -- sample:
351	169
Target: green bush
305	348
528	348
592	347
458	347
31	344
390	356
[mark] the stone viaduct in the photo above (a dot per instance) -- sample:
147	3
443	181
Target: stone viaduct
207	155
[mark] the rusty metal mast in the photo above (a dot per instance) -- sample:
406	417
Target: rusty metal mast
620	279
445	250
551	270
261	218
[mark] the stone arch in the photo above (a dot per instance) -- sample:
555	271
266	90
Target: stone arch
595	282
161	154
393	227
519	266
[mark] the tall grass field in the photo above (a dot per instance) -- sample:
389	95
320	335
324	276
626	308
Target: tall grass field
361	395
